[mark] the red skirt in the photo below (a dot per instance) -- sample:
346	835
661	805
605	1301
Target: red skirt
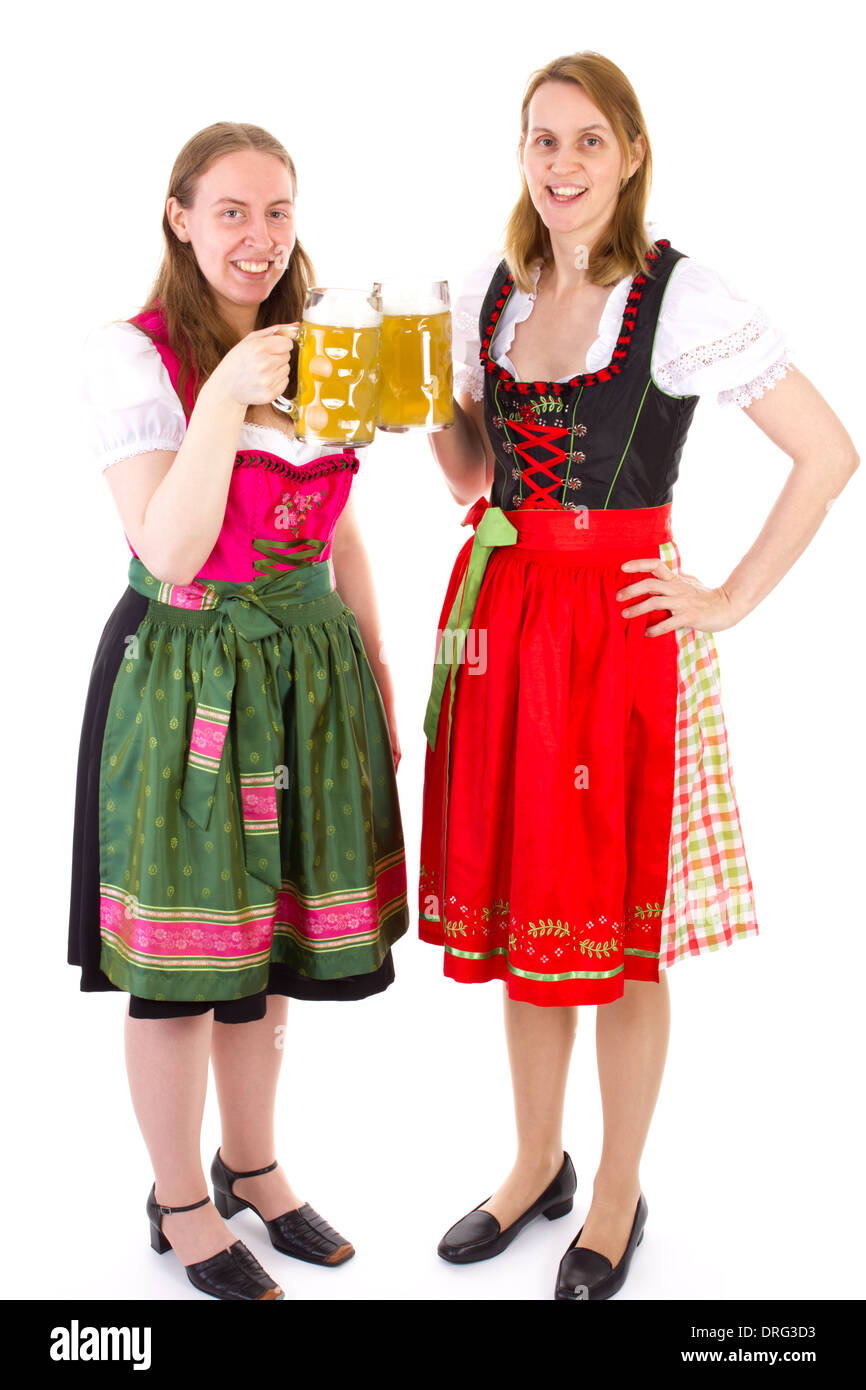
549	797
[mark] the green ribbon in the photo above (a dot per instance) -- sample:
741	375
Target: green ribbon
492	530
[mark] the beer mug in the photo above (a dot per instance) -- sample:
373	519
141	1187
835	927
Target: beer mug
338	369
415	370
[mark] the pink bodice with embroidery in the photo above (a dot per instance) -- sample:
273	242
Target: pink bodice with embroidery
269	498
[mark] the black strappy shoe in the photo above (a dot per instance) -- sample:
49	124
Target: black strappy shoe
302	1233
230	1274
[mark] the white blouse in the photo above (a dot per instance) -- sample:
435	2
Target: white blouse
131	407
709	338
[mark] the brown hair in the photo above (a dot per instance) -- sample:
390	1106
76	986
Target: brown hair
197	333
621	249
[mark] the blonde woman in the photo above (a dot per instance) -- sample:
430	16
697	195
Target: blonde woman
581	832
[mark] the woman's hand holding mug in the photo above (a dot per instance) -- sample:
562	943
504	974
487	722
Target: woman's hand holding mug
256	370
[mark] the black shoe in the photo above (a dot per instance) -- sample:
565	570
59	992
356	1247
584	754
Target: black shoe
229	1274
302	1233
586	1275
478	1235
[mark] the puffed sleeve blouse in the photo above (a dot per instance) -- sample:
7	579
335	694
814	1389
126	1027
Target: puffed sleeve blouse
131	407
710	340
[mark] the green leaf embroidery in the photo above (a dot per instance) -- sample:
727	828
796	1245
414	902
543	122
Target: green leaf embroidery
549	928
596	948
647	911
498	909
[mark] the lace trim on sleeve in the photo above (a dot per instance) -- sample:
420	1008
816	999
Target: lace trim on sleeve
471	380
754	389
465	323
673	373
143	446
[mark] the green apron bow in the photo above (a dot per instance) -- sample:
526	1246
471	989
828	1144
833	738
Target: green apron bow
492	528
247	613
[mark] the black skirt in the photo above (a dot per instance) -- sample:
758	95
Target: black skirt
84	939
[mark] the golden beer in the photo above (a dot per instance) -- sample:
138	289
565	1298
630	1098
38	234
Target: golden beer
338	369
415	368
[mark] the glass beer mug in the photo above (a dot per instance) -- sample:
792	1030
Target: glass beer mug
415	370
338	369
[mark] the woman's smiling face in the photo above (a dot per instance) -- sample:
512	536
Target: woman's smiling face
571	160
241	226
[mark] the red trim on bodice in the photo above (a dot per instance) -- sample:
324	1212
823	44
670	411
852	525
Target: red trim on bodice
298	472
555	388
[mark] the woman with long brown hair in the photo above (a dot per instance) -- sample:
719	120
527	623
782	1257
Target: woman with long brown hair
238	838
581	832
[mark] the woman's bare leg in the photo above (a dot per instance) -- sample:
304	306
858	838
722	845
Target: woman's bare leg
246	1064
166	1063
540	1042
631	1045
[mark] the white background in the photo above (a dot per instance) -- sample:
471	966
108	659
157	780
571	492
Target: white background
395	1114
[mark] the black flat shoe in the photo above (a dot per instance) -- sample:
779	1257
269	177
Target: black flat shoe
229	1274
478	1235
302	1233
584	1274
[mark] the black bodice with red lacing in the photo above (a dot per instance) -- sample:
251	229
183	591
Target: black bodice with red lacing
610	438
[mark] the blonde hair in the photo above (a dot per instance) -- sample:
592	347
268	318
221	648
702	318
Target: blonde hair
622	248
197	333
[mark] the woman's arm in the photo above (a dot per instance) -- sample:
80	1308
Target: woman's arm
464	453
795	416
173	505
354	579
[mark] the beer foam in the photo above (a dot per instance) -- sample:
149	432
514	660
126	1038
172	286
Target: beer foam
342	309
402	302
